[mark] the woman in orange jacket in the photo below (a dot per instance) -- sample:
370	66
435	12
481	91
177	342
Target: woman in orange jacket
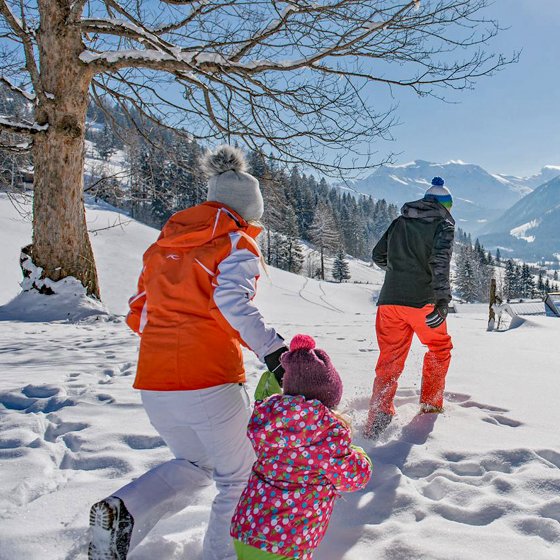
193	311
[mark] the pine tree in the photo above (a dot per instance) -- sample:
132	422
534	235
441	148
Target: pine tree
498	256
518	281
510	281
474	272
540	282
105	142
527	282
293	250
478	249
466	280
341	269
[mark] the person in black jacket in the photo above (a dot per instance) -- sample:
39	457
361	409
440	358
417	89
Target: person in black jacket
415	252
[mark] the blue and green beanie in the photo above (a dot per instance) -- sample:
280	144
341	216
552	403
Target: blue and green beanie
438	193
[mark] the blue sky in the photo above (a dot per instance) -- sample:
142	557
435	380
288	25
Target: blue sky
510	123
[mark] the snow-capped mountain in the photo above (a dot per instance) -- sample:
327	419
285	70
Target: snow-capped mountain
547	173
479	196
531	228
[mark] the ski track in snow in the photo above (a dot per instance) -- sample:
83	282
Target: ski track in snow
305	293
481	480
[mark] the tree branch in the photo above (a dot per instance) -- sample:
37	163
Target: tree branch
20	29
27	96
21	127
285	76
77	9
23	148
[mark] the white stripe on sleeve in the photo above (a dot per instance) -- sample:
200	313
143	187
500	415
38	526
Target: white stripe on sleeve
235	287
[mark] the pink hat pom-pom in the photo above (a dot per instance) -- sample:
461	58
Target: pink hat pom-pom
302	342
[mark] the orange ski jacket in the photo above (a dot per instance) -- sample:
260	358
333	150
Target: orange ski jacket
194	306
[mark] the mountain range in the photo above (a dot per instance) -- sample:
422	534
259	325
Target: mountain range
479	197
530	229
521	215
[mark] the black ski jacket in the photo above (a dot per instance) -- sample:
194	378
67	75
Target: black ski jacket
415	252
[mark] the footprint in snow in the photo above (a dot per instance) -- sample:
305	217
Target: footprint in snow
500	420
41	391
107	376
494	416
137	441
58	428
36	398
126	369
66	433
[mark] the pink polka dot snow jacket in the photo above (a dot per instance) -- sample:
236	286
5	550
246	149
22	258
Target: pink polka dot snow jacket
304	459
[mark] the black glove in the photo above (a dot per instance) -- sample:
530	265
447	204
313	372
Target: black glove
273	364
438	315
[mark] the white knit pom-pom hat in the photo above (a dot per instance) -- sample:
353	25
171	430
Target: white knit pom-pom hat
230	184
439	193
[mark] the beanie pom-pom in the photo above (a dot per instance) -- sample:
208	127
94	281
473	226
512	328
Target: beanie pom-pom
438	182
223	158
302	342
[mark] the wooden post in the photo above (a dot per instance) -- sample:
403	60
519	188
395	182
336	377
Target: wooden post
492	301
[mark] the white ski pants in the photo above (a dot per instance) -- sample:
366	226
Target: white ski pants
206	430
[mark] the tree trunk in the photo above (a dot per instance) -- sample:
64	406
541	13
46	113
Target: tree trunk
268	248
491	314
322	263
61	244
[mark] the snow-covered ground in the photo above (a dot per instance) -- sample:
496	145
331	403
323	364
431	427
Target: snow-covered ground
481	480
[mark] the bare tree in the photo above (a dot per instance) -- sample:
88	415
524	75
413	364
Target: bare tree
324	233
288	77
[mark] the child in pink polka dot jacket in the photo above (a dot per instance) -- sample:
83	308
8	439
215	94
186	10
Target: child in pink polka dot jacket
305	458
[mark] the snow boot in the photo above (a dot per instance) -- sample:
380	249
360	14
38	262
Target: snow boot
430	409
378	426
111	529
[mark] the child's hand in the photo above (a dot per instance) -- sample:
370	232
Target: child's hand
362	452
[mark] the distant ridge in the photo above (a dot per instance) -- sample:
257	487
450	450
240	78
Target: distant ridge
480	197
531	228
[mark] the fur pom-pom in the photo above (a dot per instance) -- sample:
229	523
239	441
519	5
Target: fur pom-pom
223	158
302	342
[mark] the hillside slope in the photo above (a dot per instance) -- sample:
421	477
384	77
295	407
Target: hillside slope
481	480
531	228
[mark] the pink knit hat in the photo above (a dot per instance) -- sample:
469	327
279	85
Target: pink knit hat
310	372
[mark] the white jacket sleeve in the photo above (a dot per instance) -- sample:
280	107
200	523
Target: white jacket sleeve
232	303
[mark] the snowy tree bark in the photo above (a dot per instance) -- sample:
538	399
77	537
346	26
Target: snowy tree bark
61	244
491	301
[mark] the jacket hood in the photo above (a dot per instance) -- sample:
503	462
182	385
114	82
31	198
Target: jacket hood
427	210
293	422
200	224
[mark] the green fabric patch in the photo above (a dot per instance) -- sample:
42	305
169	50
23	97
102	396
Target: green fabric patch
248	552
268	385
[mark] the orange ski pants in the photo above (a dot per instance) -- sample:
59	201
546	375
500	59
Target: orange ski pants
395	326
